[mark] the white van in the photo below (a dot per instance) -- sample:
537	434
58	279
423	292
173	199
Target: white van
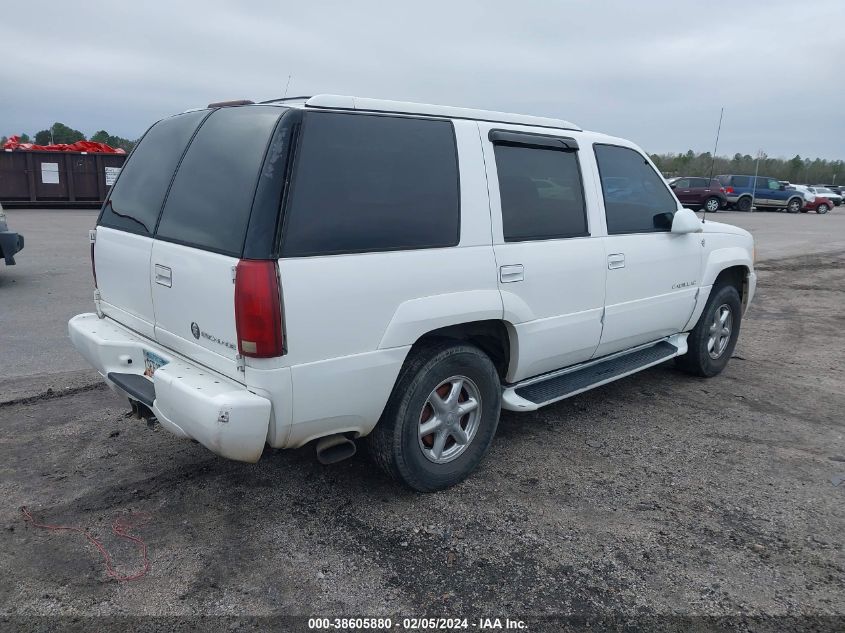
333	267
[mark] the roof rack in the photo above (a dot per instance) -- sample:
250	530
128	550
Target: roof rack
226	104
302	98
340	102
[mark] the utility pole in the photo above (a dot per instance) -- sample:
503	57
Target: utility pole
756	171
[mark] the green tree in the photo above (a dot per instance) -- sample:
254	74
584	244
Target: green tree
25	138
42	137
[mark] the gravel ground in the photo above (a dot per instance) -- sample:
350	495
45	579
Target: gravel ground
660	496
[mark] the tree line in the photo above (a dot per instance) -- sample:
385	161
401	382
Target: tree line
61	133
796	170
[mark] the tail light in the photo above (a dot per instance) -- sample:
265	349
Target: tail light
721	190
258	309
729	190
92	237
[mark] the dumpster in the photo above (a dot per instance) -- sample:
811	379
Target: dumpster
50	178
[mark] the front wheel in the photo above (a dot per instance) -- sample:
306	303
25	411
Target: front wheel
794	206
711	205
713	339
822	209
440	418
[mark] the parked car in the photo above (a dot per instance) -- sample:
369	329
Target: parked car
836	189
812	202
10	242
392	294
700	192
827	192
768	193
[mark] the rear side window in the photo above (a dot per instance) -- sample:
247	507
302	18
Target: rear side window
741	181
636	199
136	198
211	198
372	183
541	192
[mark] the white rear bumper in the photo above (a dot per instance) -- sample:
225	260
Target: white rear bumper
190	400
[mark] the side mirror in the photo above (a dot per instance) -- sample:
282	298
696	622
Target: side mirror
783	187
686	221
672	185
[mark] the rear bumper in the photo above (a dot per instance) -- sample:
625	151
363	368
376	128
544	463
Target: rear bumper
10	243
189	400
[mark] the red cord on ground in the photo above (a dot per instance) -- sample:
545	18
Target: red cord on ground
120	527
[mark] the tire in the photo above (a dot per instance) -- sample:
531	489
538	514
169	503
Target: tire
744	204
711	205
794	205
431	375
710	348
822	209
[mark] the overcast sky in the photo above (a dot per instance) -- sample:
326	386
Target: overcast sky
656	72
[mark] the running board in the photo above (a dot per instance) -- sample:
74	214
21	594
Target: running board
533	393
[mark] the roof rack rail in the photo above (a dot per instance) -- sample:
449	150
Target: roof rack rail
300	98
236	102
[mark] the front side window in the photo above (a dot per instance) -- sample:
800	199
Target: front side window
774	184
211	198
541	192
135	200
365	183
636	199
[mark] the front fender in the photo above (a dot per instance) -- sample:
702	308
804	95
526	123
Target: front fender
416	317
721	258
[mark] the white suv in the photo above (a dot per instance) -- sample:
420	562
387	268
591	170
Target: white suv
332	267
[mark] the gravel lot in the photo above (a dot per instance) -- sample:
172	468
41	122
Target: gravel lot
659	495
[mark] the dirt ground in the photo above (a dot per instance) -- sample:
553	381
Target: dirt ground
660	496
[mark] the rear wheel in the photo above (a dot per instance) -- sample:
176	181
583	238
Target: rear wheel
822	209
744	204
713	339
794	205
711	205
441	417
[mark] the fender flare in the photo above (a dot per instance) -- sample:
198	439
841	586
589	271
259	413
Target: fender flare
721	258
416	317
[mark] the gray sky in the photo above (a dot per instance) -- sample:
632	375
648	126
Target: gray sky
654	71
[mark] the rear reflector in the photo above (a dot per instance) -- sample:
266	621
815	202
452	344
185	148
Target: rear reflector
258	309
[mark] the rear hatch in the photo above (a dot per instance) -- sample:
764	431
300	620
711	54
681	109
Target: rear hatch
178	275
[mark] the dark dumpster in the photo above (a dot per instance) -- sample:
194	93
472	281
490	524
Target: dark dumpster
44	178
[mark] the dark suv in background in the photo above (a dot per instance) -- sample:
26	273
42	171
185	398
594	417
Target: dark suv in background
769	193
699	192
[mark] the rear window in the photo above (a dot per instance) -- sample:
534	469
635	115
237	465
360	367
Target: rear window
211	198
136	198
541	193
367	183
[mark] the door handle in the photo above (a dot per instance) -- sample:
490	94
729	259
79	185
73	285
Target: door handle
164	276
511	273
616	260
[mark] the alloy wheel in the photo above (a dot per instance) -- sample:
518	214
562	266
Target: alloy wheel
449	419
720	331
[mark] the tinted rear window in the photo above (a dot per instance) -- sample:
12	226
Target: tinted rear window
135	200
211	197
541	193
372	183
741	181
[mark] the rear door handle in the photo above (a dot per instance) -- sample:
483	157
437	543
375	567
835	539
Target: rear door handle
511	273
616	260
164	276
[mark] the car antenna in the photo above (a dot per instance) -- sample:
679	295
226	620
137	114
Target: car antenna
287	85
713	160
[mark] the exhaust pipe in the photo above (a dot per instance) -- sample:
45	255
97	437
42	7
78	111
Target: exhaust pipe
334	448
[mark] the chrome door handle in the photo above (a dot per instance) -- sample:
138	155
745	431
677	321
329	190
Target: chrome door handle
164	276
616	260
511	273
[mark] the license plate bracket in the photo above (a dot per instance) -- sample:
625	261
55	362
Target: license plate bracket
152	362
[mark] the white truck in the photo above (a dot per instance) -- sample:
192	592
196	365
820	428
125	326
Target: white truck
334	267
